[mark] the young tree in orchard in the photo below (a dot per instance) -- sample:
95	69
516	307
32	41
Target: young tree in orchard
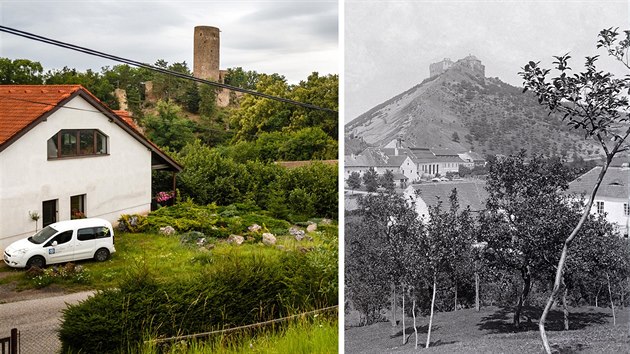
436	247
386	180
370	180
459	240
366	280
598	255
597	103
384	227
354	180
525	210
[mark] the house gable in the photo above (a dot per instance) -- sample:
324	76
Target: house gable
23	107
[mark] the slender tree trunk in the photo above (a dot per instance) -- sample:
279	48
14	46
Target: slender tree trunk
455	308
612	304
527	283
431	317
415	327
565	309
599	290
569	240
404	339
477	291
393	315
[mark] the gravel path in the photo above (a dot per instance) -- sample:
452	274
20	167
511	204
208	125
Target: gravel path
37	320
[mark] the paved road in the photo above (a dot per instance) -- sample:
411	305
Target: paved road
37	320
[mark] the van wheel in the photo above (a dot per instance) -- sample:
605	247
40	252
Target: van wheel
36	261
101	255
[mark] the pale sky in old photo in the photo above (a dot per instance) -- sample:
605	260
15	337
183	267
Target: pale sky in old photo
291	38
390	44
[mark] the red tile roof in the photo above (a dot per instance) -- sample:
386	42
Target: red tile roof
24	106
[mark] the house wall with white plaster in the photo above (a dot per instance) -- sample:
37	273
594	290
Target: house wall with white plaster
114	184
615	212
409	169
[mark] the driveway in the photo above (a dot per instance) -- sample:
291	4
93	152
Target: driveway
37	320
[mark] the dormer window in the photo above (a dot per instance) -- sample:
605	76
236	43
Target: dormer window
77	142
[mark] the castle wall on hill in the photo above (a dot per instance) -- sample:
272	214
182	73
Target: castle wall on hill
438	68
470	62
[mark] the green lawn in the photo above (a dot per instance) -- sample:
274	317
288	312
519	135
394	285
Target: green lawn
163	255
490	331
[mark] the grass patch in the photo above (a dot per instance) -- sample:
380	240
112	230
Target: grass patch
165	256
490	331
303	336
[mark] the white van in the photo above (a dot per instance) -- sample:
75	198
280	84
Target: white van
63	241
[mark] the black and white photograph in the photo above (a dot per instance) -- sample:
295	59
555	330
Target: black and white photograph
486	176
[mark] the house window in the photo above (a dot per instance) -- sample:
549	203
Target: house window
626	210
77	206
69	143
600	207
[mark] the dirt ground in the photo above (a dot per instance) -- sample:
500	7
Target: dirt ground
491	331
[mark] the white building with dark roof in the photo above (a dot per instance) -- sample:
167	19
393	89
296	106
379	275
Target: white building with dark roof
612	196
471	194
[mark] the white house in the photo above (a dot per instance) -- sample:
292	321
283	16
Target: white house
63	154
471	194
399	161
612	196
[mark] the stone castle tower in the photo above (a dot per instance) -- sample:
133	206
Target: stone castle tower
206	53
206	61
470	62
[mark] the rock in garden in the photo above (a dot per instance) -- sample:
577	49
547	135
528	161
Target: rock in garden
201	241
297	233
311	227
326	222
254	228
235	239
167	230
269	239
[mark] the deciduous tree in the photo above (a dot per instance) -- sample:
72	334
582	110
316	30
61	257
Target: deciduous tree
354	180
595	102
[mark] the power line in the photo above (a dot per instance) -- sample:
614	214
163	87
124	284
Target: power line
155	68
48	104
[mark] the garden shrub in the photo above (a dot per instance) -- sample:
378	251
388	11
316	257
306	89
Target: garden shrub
132	223
213	221
211	177
237	290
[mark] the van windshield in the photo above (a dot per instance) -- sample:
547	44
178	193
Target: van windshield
43	235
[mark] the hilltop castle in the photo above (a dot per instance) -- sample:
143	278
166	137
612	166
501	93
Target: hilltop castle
470	62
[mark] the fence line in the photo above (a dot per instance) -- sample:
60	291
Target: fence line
253	325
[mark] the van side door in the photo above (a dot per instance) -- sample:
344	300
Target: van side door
86	241
59	248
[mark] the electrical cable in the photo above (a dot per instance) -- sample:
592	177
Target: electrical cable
155	68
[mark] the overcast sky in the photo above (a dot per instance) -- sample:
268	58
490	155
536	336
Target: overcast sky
390	44
292	38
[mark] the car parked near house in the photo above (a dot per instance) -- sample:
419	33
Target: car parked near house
64	241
